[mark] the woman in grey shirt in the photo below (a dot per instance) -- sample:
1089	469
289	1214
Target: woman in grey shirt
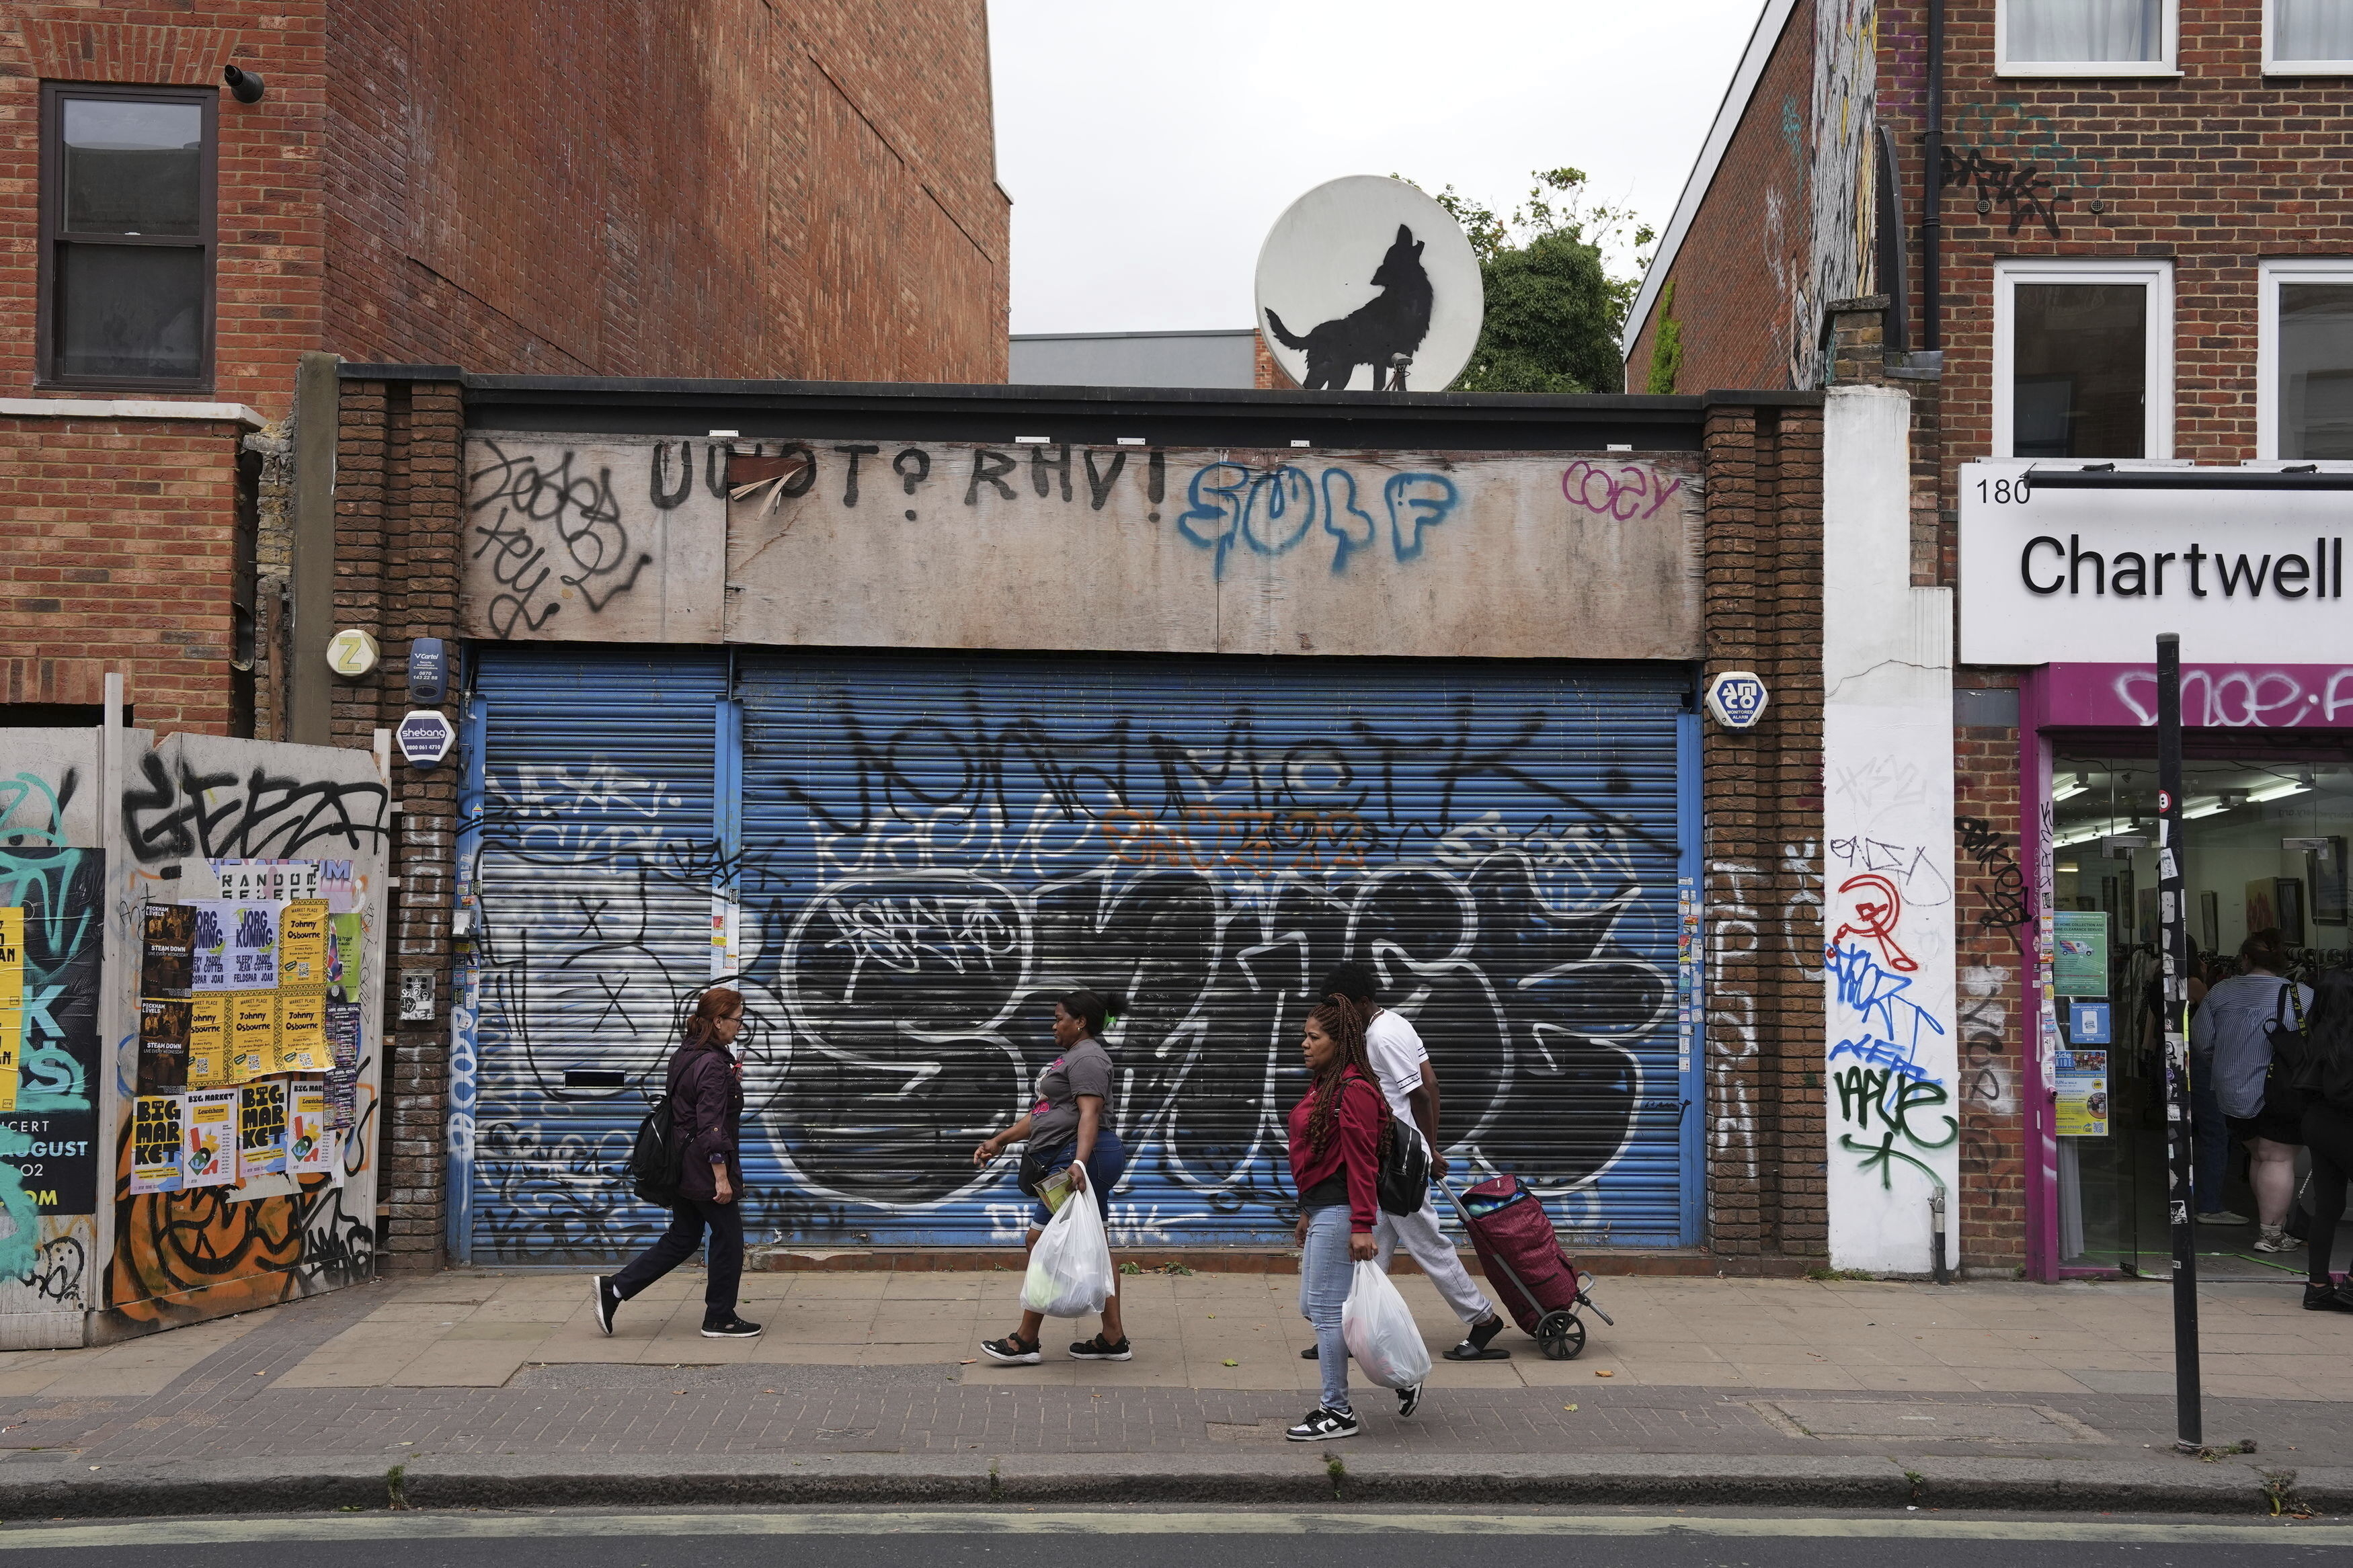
2231	1045
1071	1124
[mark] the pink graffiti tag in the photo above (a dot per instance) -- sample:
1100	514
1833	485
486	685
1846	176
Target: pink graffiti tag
1632	491
1878	916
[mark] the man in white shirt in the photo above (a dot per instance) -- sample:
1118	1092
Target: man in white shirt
1409	1082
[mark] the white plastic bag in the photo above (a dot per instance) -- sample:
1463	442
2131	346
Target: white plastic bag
1382	1337
1070	1269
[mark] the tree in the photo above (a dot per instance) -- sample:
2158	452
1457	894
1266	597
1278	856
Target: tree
1554	306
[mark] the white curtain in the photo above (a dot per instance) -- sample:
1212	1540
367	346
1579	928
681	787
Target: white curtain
2312	30
2070	31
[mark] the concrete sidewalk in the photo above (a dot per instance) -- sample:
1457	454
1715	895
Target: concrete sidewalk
499	1386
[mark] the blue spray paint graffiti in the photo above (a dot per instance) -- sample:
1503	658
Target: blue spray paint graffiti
1272	512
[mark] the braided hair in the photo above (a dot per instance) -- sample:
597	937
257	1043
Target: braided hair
1343	1020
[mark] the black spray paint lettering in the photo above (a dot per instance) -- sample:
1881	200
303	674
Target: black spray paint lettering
850	480
265	815
2019	186
580	510
1041	466
2004	888
988	469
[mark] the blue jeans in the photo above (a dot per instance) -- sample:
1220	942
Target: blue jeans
1105	1165
1324	1272
2210	1139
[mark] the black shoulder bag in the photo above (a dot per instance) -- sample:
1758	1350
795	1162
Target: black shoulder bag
2291	1079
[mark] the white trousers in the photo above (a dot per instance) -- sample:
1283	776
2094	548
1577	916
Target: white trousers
1423	1242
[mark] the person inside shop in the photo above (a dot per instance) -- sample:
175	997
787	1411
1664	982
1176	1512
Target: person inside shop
1070	1126
2232	1034
706	1099
2328	1133
1339	1130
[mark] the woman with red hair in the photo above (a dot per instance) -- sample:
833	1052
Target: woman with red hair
706	1101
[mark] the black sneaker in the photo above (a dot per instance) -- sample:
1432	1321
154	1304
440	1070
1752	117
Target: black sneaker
1312	1352
1408	1401
1012	1349
1096	1350
2328	1297
607	1298
734	1328
1323	1424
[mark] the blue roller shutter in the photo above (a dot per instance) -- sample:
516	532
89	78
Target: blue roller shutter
598	845
935	846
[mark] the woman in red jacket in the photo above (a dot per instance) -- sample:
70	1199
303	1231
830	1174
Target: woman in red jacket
1339	1129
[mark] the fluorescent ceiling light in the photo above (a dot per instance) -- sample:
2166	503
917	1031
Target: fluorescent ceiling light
2070	789
2280	791
2211	807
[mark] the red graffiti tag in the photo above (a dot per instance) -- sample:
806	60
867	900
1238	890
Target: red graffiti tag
1878	916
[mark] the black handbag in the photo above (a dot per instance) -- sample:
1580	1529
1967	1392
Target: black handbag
1037	1169
2291	1079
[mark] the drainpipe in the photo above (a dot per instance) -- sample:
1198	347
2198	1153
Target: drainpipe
1932	201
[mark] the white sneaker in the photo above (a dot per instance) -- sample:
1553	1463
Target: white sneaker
2222	1216
2275	1239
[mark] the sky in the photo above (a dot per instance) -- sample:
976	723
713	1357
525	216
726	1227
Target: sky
1148	145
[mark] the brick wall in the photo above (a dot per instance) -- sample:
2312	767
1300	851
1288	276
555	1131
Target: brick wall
1746	261
729	189
1762	828
2213	170
396	531
117	559
272	226
1990	909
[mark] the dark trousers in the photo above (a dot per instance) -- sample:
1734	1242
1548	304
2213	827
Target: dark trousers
687	1218
2328	1134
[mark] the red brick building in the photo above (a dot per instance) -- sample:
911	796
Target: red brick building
709	188
2081	233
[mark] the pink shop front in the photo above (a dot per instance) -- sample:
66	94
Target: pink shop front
2068	585
2269	798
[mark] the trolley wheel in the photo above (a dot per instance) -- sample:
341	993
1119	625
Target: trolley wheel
1561	1336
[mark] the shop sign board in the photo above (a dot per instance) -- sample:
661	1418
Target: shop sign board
2052	575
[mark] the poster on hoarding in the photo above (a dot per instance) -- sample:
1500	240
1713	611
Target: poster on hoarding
267	881
163	1045
212	1122
158	1143
208	1040
2083	1099
301	1030
303	943
252	1034
342	1086
262	1128
167	951
344	955
309	1141
12	1003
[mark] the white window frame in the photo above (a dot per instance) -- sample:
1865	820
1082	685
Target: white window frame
2168	62
2274	66
2268	276
2157	439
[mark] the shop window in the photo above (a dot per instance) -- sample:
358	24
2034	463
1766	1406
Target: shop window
2267	844
2082	361
127	232
2086	37
2305	406
2302	37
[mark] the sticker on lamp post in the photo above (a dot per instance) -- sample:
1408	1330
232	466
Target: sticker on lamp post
424	737
1736	698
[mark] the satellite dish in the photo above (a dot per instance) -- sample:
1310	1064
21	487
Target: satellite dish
1367	283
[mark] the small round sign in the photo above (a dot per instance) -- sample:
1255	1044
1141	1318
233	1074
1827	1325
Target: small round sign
1736	698
424	737
351	652
1367	283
